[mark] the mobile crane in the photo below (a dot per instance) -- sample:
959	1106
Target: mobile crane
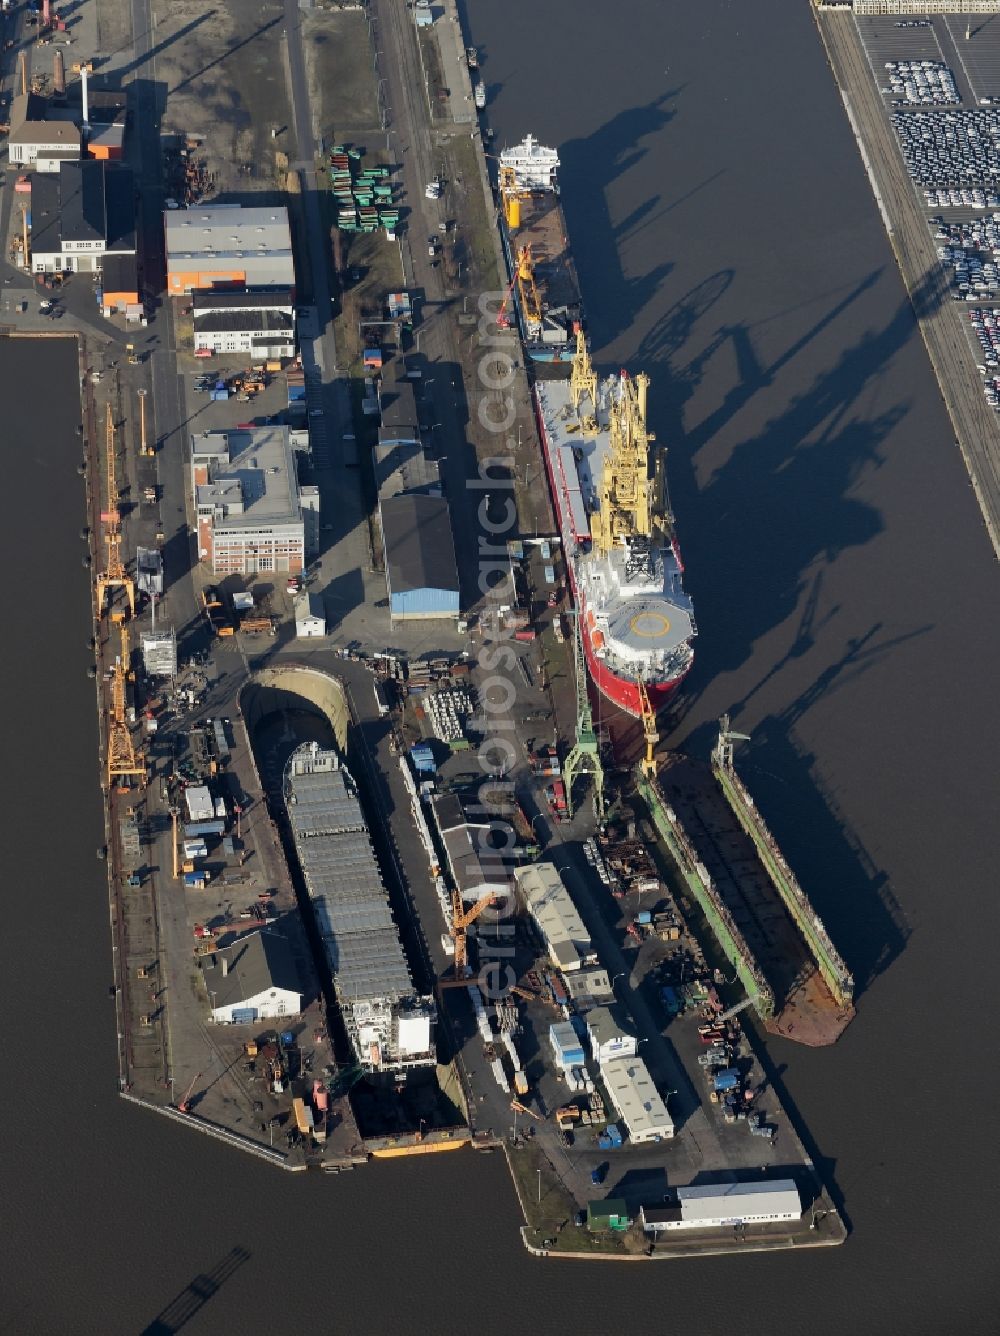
185	1105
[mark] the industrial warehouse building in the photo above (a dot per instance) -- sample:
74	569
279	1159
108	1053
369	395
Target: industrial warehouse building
640	1107
723	1205
82	219
420	567
255	979
589	988
403	467
228	246
247	501
44	133
608	1037
474	872
556	917
38	139
261	324
397	406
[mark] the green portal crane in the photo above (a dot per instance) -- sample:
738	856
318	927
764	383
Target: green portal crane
585	755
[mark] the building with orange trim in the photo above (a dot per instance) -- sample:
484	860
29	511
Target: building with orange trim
83	222
227	246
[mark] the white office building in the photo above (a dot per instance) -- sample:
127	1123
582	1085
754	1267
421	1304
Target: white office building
640	1107
725	1206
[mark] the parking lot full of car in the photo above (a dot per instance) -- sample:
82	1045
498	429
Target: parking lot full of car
921	83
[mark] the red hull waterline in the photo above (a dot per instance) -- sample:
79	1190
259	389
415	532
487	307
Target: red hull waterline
622	691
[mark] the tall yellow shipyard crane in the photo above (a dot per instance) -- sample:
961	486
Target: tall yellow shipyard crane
114	575
531	302
124	761
630	490
648	762
461	919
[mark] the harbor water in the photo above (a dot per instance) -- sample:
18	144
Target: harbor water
727	244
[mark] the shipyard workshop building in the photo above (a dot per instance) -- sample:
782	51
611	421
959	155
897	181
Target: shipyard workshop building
640	1107
420	568
476	871
589	988
725	1206
83	221
260	324
608	1036
556	916
250	511
390	1025
254	979
226	245
39	138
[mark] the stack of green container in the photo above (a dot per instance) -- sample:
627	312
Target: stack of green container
364	198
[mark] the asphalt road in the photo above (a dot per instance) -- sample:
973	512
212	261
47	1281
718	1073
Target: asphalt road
941	320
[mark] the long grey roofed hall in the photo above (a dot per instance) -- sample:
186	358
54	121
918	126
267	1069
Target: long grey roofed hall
343	880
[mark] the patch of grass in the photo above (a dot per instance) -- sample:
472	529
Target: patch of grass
550	1208
437	92
479	227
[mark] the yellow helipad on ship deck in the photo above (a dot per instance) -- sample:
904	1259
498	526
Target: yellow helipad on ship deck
650	625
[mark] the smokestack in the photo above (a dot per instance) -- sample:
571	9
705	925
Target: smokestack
46	13
84	72
24	73
59	76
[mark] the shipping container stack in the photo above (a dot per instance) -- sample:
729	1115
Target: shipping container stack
363	195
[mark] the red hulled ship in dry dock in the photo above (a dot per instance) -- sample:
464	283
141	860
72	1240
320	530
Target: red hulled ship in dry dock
607	481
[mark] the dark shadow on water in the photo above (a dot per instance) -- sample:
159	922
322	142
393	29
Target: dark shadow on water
786	497
588	168
193	1298
848	890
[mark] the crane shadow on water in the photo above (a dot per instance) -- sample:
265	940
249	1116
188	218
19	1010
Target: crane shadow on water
195	1295
589	168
